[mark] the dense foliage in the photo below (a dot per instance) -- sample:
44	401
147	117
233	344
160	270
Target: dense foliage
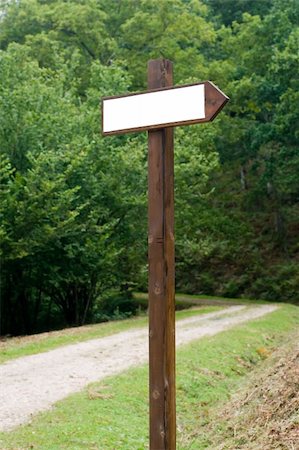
73	204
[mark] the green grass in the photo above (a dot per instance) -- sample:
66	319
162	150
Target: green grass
113	415
187	300
16	347
218	300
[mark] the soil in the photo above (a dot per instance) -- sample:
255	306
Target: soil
31	384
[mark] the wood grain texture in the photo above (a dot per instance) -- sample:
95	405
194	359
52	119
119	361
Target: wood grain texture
161	274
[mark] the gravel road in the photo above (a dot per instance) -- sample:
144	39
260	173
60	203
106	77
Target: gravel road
31	384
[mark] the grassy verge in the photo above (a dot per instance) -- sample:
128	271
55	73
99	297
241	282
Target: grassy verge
264	413
221	368
183	300
114	414
29	345
211	300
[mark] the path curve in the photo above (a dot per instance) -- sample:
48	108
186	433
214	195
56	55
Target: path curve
32	384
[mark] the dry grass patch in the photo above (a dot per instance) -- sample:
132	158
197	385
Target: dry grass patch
265	415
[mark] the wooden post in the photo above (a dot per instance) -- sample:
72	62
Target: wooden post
161	273
158	112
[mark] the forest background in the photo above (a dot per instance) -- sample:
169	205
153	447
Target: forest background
74	204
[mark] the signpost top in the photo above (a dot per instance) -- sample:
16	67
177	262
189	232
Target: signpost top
161	108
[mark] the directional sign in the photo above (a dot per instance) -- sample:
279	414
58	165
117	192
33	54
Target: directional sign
157	111
160	108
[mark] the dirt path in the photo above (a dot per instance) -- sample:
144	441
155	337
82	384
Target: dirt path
34	383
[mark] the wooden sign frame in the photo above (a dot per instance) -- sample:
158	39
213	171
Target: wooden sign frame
214	101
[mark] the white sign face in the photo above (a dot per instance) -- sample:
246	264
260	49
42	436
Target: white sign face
154	109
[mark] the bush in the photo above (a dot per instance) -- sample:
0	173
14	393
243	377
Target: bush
116	306
282	284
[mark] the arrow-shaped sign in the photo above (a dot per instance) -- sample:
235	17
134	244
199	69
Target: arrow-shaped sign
160	108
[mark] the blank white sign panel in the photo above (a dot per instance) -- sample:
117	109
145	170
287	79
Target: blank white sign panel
154	108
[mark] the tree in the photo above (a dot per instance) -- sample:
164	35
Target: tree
73	210
72	32
258	140
228	11
70	205
172	29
